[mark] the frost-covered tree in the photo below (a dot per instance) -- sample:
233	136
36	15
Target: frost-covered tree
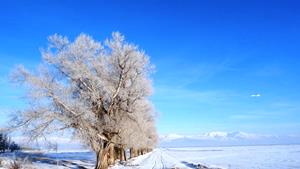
97	91
140	135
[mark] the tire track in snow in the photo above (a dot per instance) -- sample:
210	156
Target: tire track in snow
161	160
154	165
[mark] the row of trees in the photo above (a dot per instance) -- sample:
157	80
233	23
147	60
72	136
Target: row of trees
7	145
99	92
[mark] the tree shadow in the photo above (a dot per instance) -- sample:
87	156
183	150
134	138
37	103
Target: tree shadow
42	158
196	166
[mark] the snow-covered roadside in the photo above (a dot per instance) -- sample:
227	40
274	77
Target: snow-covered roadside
41	161
7	162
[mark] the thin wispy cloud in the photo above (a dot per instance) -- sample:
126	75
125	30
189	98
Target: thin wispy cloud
269	70
212	97
245	116
192	74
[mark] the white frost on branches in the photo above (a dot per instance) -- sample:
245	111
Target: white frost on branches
98	91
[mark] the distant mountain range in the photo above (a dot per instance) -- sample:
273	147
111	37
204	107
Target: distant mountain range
216	138
225	139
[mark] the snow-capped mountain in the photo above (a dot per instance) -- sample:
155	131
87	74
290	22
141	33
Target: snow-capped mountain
213	135
216	134
220	138
233	135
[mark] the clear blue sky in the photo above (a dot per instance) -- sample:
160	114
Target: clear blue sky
210	56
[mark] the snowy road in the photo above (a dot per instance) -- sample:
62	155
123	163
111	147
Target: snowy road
158	159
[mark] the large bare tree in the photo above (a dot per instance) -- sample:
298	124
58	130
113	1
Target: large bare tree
99	92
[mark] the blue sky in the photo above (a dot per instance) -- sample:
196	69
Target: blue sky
212	58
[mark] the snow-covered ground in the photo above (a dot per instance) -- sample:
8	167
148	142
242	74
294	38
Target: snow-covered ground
50	160
239	157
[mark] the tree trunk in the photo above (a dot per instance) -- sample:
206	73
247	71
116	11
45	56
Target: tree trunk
101	162
103	156
133	152
111	154
136	153
117	153
121	155
124	154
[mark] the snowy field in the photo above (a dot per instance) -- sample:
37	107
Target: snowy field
243	157
239	157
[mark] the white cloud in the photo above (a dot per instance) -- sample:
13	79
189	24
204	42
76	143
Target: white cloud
255	95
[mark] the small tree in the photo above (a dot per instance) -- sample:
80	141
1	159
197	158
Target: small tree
93	90
4	142
14	147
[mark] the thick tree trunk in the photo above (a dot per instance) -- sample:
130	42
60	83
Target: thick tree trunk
117	153
111	154
101	162
104	155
